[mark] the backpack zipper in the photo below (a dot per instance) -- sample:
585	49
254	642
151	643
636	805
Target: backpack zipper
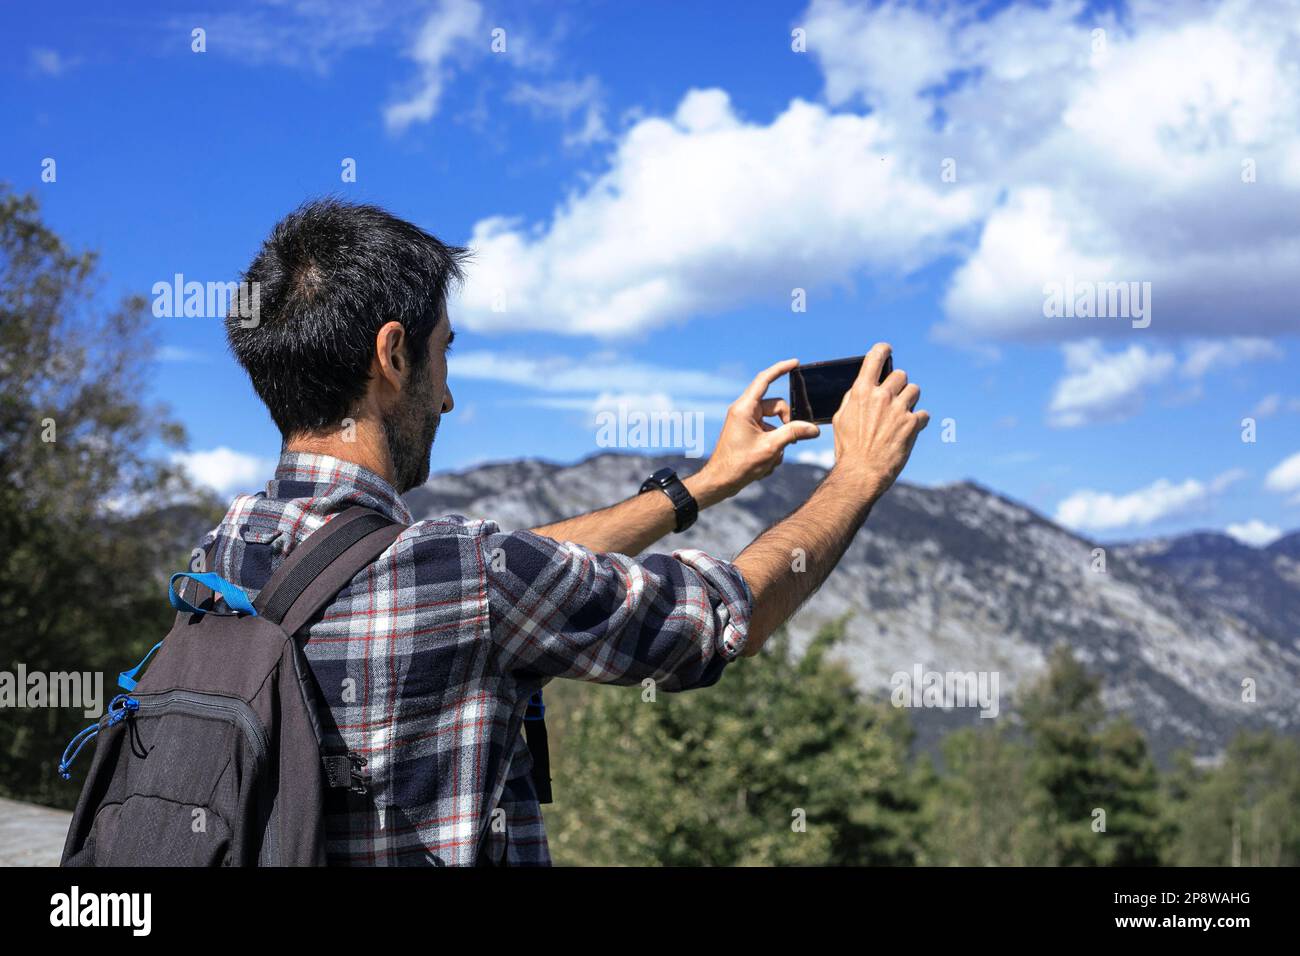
200	705
204	705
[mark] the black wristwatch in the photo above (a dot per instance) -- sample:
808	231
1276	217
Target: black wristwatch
684	504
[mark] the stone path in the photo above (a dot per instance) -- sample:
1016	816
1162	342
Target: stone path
31	835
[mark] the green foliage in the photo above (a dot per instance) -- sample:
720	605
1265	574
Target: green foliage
711	777
1085	774
1243	812
1043	798
80	585
1128	790
977	810
781	763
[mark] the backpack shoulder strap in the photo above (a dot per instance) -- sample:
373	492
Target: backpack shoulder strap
321	566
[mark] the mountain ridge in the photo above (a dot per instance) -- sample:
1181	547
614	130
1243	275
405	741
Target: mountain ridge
961	578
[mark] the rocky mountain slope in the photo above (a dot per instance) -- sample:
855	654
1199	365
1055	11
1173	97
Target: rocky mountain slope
959	579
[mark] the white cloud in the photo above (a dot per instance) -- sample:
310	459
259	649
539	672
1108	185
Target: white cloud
449	33
646	403
1101	511
1016	458
304	34
1128	169
823	458
51	62
1102	386
1211	355
1268	406
704	211
565	99
175	353
439	39
1124	167
224	470
1285	476
602	382
591	374
1273	403
1254	532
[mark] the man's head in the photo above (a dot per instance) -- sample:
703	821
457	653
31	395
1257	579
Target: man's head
352	323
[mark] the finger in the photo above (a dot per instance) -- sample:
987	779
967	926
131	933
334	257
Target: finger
776	406
896	382
923	417
792	432
910	395
758	387
869	374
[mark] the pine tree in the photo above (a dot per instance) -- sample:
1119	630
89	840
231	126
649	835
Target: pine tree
1093	789
780	763
977	809
1137	834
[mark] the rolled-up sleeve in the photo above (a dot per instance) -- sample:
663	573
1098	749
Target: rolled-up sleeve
560	610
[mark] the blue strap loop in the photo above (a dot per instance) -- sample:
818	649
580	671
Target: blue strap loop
235	598
127	679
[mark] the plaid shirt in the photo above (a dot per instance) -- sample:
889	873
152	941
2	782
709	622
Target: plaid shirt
428	658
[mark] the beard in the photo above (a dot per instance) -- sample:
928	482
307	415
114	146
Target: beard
410	431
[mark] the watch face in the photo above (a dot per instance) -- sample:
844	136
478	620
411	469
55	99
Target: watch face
662	475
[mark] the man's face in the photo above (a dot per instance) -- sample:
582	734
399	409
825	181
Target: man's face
412	426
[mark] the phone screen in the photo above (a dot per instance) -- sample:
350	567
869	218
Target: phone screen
817	389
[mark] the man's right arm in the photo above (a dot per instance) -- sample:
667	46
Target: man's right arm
557	609
875	430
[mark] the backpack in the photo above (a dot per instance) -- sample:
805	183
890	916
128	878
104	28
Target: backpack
216	756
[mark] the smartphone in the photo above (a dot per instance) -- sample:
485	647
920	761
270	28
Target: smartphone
817	389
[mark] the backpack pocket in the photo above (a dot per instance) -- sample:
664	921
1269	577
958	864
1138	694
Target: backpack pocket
191	766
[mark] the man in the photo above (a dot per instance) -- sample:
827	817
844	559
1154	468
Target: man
428	659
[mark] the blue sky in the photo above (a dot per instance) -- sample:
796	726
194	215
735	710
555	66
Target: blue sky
645	185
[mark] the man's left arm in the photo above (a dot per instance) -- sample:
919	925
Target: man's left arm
748	449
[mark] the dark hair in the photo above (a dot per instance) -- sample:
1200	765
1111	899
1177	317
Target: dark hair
330	275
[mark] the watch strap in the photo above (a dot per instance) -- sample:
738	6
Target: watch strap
685	506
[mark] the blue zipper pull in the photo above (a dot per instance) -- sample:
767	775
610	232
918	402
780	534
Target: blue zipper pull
118	708
125	704
80	740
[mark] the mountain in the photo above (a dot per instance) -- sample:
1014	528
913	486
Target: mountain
958	578
1259	585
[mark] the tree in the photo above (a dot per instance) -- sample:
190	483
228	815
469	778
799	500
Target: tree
977	810
81	569
1242	812
1129	791
1093	790
781	763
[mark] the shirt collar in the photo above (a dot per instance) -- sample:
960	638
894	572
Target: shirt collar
333	484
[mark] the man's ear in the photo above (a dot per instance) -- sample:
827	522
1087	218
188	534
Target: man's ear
391	357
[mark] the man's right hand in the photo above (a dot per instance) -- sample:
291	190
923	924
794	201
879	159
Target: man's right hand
875	430
876	427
